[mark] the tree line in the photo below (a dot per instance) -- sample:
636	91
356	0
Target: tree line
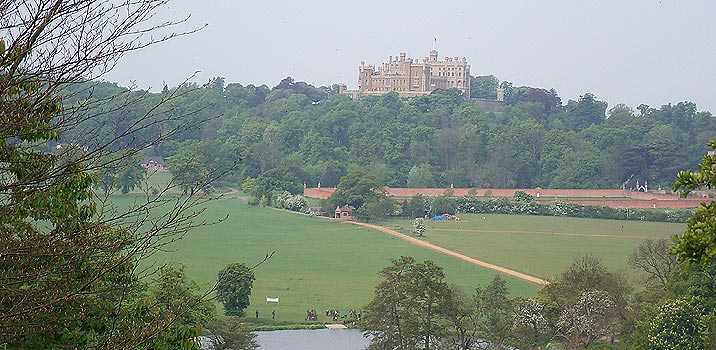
438	140
585	307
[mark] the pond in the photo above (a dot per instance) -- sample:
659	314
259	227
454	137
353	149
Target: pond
345	339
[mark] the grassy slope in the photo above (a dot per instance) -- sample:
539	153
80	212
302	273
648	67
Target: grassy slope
319	264
513	241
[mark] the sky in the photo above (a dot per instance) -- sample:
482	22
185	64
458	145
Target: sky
632	52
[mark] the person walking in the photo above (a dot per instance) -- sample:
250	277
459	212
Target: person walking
273	314
257	313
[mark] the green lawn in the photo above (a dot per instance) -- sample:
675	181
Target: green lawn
318	263
544	245
324	264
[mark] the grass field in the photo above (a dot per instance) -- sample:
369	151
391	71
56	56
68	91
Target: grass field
318	263
324	264
543	245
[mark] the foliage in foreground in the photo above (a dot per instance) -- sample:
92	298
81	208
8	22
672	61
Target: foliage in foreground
698	243
413	308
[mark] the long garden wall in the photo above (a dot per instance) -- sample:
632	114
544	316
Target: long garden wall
610	198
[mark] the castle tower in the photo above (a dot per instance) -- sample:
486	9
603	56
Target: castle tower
433	55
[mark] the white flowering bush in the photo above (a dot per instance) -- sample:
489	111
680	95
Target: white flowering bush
586	320
678	324
419	227
286	200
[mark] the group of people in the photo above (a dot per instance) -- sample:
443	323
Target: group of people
336	314
273	314
311	315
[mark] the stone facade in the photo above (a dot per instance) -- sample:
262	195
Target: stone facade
410	78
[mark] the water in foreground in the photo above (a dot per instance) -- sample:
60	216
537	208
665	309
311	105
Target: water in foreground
345	339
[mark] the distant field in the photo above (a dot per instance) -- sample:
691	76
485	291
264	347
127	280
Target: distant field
318	263
161	180
543	245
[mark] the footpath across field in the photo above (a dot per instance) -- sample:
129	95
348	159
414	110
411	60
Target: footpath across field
543	246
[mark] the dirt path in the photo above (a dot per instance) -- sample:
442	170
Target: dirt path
440	249
546	233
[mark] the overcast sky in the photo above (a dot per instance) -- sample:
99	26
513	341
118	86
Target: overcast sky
632	52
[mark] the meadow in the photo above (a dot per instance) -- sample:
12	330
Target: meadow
317	263
323	264
543	246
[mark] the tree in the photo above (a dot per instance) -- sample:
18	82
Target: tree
654	258
233	288
356	189
585	112
678	325
409	308
189	168
698	243
586	320
443	205
498	311
585	285
68	261
384	208
530	324
416	207
276	181
484	87
421	176
125	175
231	334
181	299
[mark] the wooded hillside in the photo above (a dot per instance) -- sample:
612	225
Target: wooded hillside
536	140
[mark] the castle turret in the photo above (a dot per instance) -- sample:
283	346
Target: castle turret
433	55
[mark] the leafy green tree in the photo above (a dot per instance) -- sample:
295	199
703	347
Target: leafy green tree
189	168
355	189
585	112
443	205
589	318
421	176
408	309
464	314
231	333
498	311
484	87
384	208
68	263
130	176
233	288
678	325
249	186
178	297
122	171
416	207
565	299
276	181
698	243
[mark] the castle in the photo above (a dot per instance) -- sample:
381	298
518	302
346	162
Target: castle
411	78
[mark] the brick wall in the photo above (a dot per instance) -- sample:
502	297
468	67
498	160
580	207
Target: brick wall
636	199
